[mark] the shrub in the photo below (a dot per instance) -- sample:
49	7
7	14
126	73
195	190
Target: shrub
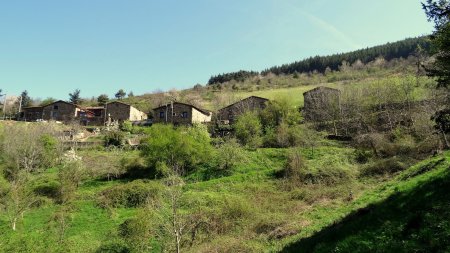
236	208
181	149
229	154
114	138
295	164
270	137
248	130
382	167
137	232
362	156
283	135
126	126
133	194
327	176
115	246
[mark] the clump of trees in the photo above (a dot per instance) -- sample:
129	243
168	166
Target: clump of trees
25	149
238	76
176	149
439	13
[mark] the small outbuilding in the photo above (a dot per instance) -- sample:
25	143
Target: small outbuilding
321	104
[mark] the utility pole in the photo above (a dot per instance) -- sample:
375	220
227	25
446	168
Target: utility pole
20	104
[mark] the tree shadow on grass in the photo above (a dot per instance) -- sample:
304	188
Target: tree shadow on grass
413	221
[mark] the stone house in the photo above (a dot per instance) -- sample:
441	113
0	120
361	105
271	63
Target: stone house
31	113
180	114
229	114
120	112
322	104
61	111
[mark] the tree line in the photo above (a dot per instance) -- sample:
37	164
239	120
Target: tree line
389	51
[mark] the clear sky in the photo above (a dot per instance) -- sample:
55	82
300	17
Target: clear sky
51	47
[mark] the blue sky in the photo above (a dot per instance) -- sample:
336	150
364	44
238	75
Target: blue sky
51	47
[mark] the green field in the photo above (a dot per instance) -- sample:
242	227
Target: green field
257	210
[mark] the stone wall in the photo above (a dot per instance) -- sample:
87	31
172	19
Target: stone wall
232	112
179	114
121	112
200	117
118	111
60	111
136	115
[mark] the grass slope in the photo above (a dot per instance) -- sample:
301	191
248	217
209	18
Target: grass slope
414	217
255	212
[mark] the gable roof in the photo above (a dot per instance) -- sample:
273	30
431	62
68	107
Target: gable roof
62	101
206	112
118	102
32	107
321	88
265	99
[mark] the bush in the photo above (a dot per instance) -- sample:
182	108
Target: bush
270	137
181	149
236	208
137	232
229	154
248	130
126	126
115	246
114	138
328	176
133	194
295	164
383	167
362	156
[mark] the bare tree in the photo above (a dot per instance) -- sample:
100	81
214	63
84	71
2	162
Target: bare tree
18	199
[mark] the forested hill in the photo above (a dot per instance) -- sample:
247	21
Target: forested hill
389	51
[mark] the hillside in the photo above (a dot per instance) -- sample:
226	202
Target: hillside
289	86
370	175
413	214
252	208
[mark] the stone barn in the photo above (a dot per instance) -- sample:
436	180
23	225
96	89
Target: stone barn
61	111
180	114
32	113
229	114
322	104
120	112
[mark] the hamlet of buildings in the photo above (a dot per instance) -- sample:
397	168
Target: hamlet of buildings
68	112
176	113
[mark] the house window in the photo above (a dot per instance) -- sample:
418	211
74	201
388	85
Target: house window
161	115
184	115
55	107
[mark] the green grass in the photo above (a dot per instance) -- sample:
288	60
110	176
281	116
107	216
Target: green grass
409	214
257	211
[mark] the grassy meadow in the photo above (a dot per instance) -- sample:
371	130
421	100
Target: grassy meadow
253	208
